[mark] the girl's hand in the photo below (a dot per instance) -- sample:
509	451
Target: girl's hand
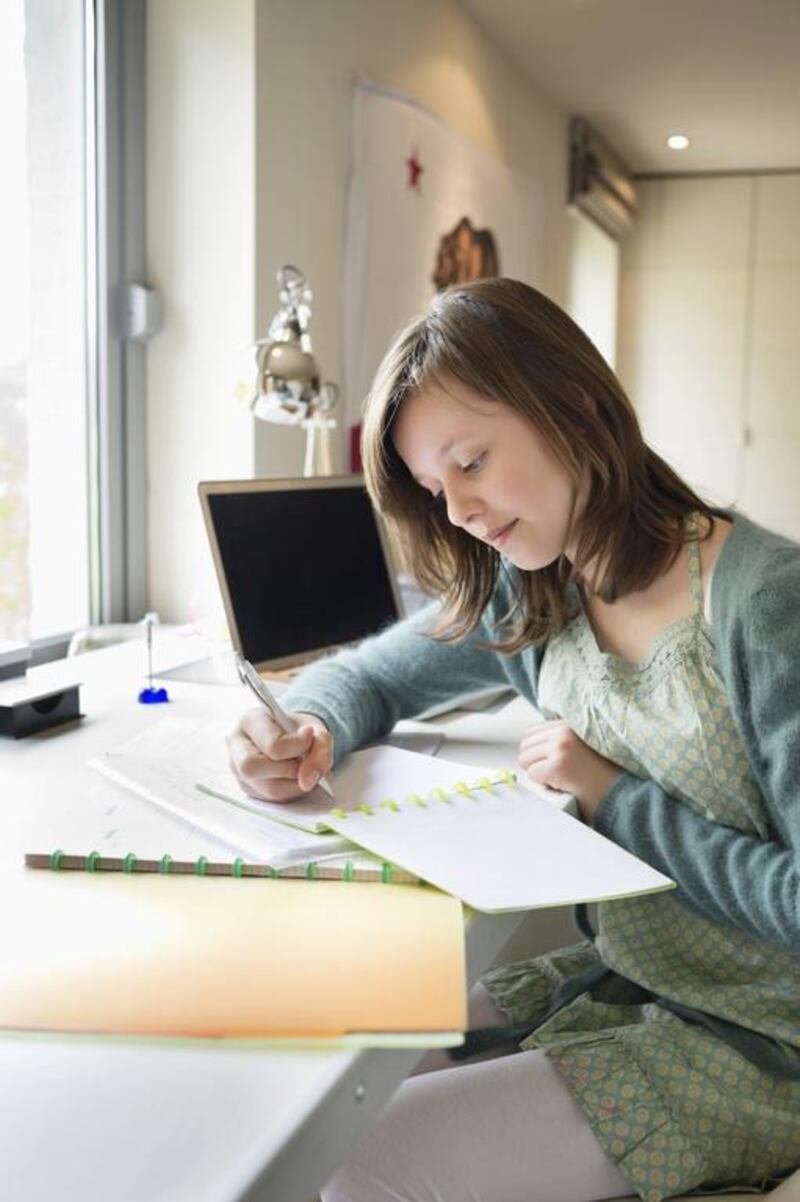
552	754
273	766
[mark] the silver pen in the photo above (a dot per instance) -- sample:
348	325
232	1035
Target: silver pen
249	676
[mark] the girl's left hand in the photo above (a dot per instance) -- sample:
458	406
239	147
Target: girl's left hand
552	754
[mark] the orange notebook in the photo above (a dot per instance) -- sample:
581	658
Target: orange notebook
229	958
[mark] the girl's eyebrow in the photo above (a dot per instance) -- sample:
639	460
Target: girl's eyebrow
443	450
418	480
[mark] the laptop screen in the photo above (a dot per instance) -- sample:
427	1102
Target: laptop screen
301	565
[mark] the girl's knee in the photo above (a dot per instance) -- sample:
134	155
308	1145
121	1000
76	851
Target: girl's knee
400	1153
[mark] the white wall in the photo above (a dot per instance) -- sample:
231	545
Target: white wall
201	256
248	156
710	290
593	283
309	56
771	476
683	304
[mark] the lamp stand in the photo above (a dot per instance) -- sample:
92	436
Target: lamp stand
318	459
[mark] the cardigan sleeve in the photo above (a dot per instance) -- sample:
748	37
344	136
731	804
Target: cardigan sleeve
360	694
732	877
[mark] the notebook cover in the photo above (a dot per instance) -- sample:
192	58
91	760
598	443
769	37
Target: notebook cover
498	847
224	958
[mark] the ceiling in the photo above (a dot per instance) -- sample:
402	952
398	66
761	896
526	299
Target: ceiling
724	72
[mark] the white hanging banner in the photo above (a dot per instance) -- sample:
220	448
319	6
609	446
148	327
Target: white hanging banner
426	209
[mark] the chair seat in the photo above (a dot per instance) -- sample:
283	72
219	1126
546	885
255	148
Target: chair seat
787	1191
705	1198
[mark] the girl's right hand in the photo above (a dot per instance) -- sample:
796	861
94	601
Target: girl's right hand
273	766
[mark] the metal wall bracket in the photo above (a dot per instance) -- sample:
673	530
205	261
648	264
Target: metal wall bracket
142	312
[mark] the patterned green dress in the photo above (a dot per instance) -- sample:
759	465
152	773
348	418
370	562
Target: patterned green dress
672	1104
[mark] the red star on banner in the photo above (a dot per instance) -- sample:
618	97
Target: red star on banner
415	170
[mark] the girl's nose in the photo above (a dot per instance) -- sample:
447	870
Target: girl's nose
462	506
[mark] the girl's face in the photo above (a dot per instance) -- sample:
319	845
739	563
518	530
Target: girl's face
492	470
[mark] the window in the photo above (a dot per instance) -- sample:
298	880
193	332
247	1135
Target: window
593	283
44	589
71	456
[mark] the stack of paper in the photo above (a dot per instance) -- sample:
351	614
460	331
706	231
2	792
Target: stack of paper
140	952
479	836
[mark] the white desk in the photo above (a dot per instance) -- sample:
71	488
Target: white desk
90	1120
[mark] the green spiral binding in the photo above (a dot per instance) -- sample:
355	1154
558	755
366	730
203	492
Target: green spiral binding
312	870
91	861
164	863
55	859
201	864
237	866
129	862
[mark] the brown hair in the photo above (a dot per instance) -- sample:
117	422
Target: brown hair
510	343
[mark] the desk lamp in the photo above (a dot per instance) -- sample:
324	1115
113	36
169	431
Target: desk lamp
288	389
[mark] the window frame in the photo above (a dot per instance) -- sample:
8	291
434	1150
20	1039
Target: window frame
118	373
115	361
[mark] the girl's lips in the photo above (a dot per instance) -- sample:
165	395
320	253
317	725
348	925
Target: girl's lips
497	537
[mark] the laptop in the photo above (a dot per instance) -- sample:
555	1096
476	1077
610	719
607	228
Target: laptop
303	565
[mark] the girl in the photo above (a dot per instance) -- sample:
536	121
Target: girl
658	638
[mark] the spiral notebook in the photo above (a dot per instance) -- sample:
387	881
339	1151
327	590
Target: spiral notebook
249	960
481	836
496	845
349	866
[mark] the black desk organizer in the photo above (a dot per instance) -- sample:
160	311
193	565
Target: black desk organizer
32	714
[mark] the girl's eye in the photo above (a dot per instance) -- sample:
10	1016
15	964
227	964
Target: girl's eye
474	465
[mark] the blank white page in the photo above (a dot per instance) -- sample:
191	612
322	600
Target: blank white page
499	848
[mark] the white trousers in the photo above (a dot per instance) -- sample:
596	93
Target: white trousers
499	1129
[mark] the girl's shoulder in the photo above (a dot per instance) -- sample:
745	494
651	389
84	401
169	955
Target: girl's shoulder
756	581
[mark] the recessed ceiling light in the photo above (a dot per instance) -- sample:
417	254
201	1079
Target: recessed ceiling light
677	141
